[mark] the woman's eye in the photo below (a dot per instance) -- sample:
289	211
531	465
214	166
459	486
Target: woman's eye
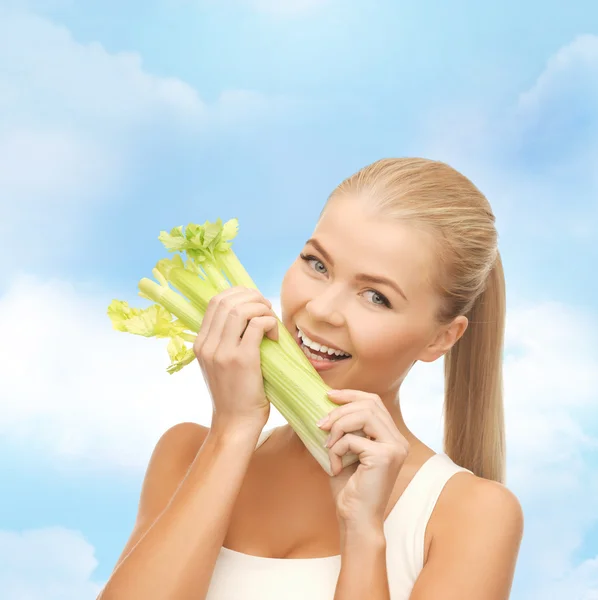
378	298
313	259
317	262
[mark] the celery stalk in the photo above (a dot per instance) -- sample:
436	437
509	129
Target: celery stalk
301	399
199	292
173	302
233	269
215	276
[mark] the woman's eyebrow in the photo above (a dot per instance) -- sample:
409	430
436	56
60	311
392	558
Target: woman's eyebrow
360	276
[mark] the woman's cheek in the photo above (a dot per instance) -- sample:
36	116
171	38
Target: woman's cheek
391	342
288	289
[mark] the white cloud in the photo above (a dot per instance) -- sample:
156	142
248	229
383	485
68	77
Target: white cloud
67	107
580	583
539	151
558	116
573	66
49	172
72	117
47	564
42	61
87	395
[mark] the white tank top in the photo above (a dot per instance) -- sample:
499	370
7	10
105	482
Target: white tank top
239	576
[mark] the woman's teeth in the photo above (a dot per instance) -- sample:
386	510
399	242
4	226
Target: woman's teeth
307	345
316	356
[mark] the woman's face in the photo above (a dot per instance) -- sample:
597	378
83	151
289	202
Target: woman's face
384	328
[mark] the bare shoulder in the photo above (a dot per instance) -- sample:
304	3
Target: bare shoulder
475	534
472	497
468	501
170	460
168	465
181	439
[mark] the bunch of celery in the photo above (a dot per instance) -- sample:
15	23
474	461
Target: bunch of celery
291	383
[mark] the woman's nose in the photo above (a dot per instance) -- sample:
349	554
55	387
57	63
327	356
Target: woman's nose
326	307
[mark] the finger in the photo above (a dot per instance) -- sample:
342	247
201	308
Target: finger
349	399
366	406
225	303
371	425
341	411
256	329
349	443
370	453
213	306
210	315
259	297
238	320
348	396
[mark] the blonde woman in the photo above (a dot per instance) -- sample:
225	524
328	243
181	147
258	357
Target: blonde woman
402	267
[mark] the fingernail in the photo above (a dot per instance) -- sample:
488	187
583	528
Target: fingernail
322	421
327	441
334	392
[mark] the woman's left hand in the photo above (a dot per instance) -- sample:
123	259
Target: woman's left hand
362	490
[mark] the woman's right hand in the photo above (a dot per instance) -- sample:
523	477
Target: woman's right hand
228	351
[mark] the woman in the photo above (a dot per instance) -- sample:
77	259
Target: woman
402	267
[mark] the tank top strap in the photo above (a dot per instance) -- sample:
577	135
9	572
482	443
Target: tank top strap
406	526
422	493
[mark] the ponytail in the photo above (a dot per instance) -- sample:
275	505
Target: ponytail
474	435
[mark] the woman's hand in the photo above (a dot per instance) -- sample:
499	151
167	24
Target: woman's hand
228	350
362	490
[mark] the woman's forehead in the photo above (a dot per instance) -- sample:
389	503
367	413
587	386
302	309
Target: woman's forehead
374	244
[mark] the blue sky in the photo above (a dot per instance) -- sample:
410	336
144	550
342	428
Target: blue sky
118	121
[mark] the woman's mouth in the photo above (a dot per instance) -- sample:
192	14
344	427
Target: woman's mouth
320	360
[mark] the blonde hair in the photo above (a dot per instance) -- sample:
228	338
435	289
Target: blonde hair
470	281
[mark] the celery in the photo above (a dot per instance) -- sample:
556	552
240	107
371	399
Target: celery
291	383
210	255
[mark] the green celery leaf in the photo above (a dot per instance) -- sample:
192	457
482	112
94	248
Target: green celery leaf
154	321
180	355
174	241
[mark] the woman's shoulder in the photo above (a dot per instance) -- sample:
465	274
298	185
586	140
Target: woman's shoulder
470	492
169	462
471	507
182	441
171	458
467	497
476	530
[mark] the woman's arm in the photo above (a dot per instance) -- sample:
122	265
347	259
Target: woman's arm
477	534
363	564
176	540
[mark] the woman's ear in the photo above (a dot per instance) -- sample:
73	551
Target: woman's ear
446	338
